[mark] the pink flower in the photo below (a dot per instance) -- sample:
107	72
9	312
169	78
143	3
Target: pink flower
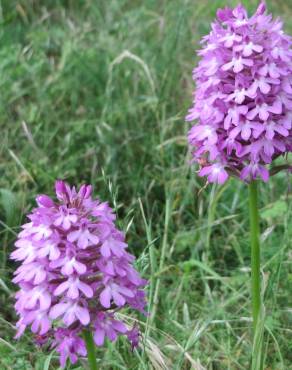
230	39
116	293
252	171
71	311
69	345
249	48
73	288
243	97
237	64
39	321
65	219
133	336
71	266
83	237
74	269
215	173
107	326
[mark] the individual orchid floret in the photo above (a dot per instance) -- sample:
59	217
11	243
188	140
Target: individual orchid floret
75	273
243	98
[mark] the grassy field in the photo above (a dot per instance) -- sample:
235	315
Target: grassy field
96	92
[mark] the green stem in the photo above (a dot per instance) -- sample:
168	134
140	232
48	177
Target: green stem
90	350
255	253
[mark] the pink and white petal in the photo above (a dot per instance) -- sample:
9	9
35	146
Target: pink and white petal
58	221
79	267
111	334
83	241
29	317
279	145
258	48
35	325
234	132
66	223
45	325
105	297
40	276
63	359
20	329
67	269
99	336
270	133
126	291
205	171
227	66
117	247
264	87
264	173
109	268
119	326
276	108
73	236
69	317
268	148
247	62
73	291
54	253
85	289
253	89
222	177
263	113
58	310
105	249
73	358
31	302
45	301
93	238
281	130
61	288
246	132
252	113
238	66
82	315
118	298
57	263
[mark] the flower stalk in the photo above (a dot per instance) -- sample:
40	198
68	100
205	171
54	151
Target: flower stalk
90	350
257	359
255	253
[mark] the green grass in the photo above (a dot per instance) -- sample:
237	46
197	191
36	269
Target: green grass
96	92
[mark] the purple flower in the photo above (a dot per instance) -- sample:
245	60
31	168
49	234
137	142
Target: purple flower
133	336
69	345
75	272
243	98
107	326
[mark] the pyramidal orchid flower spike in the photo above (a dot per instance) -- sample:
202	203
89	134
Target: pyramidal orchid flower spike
243	97
243	113
75	274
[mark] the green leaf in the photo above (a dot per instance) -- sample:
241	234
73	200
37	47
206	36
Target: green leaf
9	204
48	361
275	210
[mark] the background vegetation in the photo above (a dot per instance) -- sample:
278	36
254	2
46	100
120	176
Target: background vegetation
96	92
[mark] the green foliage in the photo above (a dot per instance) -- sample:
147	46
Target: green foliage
9	204
96	91
276	210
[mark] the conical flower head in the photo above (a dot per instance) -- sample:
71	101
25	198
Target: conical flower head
243	97
75	272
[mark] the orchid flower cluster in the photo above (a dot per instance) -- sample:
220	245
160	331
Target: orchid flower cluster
75	273
243	97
